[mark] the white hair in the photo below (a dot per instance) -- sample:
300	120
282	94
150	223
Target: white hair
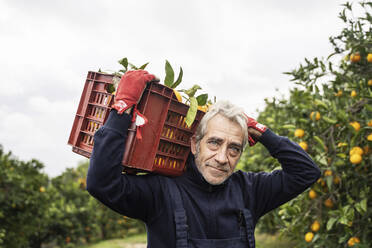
228	110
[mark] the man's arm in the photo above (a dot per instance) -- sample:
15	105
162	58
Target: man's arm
298	173
133	196
130	195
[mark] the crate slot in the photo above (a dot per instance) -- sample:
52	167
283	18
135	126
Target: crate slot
172	149
87	139
173	133
165	162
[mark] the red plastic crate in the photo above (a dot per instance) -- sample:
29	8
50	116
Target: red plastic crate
92	112
165	143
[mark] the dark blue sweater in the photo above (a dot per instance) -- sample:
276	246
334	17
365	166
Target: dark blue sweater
211	210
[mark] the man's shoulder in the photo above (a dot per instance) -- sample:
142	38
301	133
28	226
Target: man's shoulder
240	173
242	177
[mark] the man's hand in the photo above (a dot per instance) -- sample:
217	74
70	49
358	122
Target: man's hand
255	130
130	89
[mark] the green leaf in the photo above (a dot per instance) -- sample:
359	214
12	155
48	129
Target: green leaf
191	113
169	74
329	181
343	220
288	126
341	155
320	103
329	120
124	62
179	79
110	88
361	206
330	223
191	92
202	99
132	66
320	142
142	67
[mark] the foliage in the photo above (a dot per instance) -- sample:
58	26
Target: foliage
341	95
36	210
23	206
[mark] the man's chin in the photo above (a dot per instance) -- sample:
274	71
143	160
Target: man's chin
214	181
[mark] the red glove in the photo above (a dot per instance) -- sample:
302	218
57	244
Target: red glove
252	123
130	89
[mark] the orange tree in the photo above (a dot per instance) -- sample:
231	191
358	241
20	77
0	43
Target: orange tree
330	115
23	202
36	210
79	218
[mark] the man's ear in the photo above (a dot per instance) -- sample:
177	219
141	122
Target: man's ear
193	144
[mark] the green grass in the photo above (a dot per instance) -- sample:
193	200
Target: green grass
272	241
262	241
118	243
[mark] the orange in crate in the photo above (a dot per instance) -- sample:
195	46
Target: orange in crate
165	143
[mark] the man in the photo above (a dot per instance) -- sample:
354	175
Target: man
210	205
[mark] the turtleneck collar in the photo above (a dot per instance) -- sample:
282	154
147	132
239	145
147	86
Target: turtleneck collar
193	175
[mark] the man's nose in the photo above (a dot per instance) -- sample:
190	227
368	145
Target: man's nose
221	156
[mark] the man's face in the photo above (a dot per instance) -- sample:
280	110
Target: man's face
219	150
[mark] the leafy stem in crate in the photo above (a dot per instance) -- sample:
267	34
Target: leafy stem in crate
111	88
124	62
191	99
169	76
194	102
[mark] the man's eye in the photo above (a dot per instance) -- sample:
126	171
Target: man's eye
213	143
234	151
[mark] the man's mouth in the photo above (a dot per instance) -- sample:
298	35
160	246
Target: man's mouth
217	168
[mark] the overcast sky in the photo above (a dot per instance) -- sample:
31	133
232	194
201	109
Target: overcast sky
235	50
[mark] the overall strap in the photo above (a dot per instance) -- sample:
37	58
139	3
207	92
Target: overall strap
249	227
179	213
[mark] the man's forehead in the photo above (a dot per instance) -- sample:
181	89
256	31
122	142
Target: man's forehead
219	127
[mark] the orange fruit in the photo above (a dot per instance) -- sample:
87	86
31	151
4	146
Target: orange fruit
369	137
336	180
178	95
299	133
321	181
370	123
309	237
312	194
339	93
42	189
328	203
355	125
366	150
369	57
370	82
315	226
353	93
329	160
356	150
303	145
352	241
355	159
341	144
327	173
315	115
203	108
355	57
